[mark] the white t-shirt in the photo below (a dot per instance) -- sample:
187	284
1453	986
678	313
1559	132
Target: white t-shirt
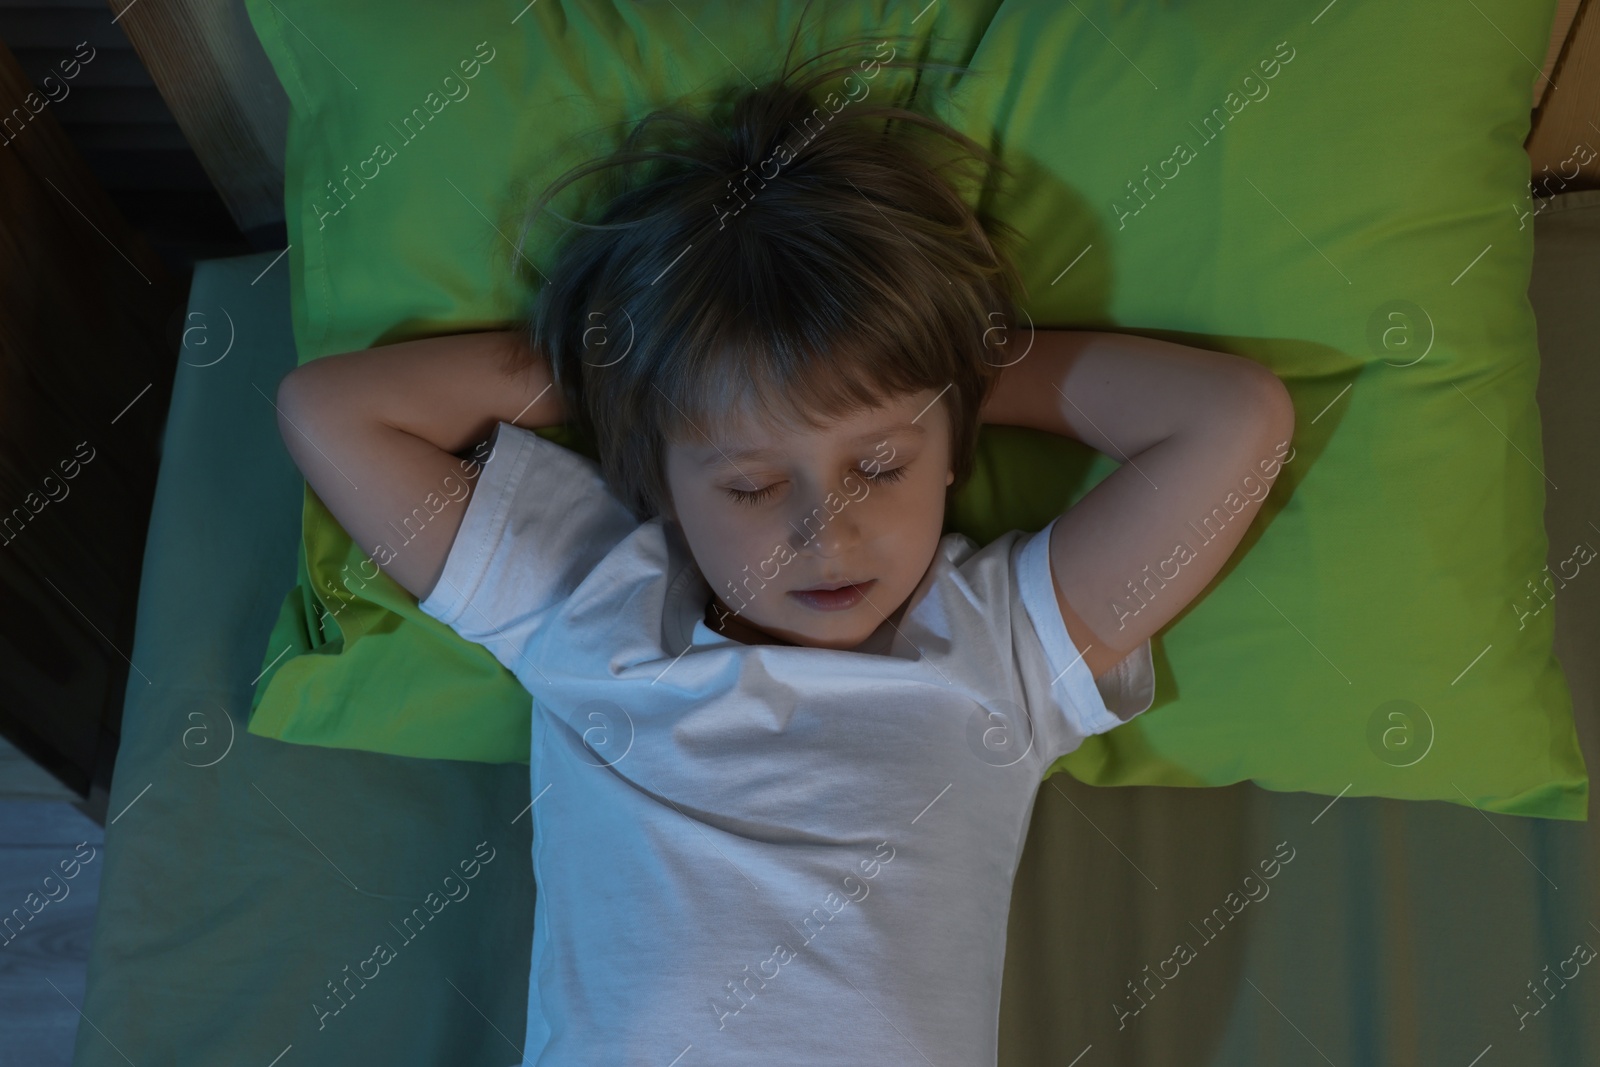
764	853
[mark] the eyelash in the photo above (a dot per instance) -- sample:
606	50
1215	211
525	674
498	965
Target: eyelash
742	496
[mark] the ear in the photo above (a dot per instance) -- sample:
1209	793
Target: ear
950	477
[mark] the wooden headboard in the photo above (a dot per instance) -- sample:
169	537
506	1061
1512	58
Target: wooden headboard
1562	146
208	64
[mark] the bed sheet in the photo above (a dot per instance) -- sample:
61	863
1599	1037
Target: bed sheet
248	882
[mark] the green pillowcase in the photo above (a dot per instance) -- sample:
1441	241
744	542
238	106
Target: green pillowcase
1338	194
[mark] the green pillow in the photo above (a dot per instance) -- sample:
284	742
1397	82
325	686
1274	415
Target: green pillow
1333	193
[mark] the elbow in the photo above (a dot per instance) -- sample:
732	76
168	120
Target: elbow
1283	409
1271	412
293	405
1257	420
1267	400
287	401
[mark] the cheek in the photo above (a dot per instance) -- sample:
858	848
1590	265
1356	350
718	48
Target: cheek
719	530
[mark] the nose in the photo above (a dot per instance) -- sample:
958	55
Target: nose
825	532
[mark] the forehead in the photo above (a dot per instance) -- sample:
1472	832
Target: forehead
746	437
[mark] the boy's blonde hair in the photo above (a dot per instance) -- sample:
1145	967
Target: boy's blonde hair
795	256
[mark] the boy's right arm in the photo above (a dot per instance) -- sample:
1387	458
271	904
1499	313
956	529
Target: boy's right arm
376	431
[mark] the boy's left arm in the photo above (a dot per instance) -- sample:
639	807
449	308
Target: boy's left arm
1201	436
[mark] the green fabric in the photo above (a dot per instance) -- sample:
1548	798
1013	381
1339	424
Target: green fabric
1350	218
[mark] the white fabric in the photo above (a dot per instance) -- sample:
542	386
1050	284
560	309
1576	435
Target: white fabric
764	853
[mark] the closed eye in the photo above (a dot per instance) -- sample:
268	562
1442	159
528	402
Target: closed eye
887	476
756	496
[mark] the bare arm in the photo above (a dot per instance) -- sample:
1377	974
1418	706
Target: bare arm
1201	436
375	433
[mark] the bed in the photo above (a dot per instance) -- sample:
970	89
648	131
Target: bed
239	870
247	881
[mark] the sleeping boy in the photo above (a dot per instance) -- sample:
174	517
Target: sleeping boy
787	734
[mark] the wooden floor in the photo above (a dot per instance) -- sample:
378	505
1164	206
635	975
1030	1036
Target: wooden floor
42	966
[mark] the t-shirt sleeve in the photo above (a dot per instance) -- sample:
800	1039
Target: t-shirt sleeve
540	519
1090	705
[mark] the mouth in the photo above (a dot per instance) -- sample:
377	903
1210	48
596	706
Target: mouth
831	586
836	596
